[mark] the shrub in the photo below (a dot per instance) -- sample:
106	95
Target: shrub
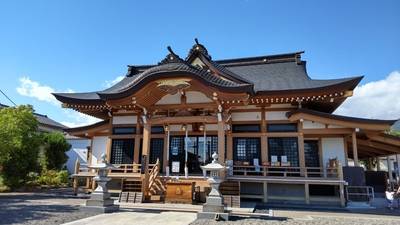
53	156
53	178
19	144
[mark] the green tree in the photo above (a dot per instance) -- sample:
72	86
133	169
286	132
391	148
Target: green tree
19	144
54	151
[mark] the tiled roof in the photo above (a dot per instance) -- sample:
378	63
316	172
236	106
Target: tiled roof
271	73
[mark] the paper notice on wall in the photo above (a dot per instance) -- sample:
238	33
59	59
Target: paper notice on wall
175	166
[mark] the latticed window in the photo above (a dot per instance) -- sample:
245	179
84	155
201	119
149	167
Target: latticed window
285	146
122	151
156	150
311	154
246	149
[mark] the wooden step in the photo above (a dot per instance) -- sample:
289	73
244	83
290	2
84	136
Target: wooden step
131	197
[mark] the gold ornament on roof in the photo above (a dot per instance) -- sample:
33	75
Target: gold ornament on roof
173	86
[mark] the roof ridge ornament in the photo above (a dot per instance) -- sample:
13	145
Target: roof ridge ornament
132	70
171	57
198	48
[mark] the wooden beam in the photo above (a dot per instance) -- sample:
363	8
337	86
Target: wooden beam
386	140
183	120
380	146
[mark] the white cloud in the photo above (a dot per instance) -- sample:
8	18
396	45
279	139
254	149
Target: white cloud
77	119
110	83
34	89
375	100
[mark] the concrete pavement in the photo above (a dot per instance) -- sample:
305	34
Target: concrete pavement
138	218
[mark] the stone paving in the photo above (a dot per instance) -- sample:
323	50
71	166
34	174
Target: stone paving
138	218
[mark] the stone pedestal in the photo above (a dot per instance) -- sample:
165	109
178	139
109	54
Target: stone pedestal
100	200
214	206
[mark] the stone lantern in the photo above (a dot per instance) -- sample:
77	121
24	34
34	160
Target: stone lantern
214	206
100	200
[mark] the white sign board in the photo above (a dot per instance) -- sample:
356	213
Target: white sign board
175	166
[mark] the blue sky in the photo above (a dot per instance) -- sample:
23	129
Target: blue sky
80	45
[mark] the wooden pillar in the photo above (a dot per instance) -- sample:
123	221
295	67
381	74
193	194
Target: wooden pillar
398	164
378	164
355	152
389	167
301	154
221	140
307	193
146	139
145	156
264	141
165	153
265	191
341	195
136	152
108	151
229	146
346	151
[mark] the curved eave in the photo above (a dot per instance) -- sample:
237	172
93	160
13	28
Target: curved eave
352	122
342	86
83	130
248	88
76	98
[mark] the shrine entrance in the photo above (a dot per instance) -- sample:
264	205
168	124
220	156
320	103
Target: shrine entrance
198	153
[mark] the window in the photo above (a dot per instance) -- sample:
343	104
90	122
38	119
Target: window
157	130
246	149
237	128
124	130
156	151
282	127
122	151
286	146
311	154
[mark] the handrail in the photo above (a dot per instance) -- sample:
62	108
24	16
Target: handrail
366	191
286	171
154	173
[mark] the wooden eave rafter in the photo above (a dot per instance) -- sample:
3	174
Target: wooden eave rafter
304	97
150	94
183	120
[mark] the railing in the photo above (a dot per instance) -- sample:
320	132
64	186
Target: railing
360	193
287	171
128	168
154	173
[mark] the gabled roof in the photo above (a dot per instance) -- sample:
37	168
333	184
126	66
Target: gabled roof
268	74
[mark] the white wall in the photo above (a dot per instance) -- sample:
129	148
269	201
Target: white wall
312	125
276	115
170	99
124	119
197	97
246	116
78	151
99	147
332	148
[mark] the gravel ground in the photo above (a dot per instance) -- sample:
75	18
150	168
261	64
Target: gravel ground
44	208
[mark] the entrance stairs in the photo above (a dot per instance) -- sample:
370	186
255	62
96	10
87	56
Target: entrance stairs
131	191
